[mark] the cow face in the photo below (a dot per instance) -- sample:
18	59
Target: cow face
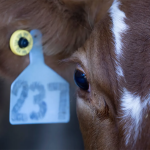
112	76
111	40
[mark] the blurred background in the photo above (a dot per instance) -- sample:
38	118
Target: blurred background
42	136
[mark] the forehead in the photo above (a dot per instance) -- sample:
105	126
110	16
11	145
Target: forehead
99	43
96	54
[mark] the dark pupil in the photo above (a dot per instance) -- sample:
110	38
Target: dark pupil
80	80
23	43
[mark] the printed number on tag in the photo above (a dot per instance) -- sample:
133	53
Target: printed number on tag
21	91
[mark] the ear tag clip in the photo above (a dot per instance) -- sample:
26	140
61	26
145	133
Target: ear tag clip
39	95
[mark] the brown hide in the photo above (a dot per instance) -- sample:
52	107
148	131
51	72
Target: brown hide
102	120
28	15
51	17
97	109
82	28
65	27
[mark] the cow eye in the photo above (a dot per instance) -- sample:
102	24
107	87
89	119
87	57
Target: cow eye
81	80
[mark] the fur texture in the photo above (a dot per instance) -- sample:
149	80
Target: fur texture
109	42
65	26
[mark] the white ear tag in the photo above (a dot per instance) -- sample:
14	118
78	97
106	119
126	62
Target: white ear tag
39	95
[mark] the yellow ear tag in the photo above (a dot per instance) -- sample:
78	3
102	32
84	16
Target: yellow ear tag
21	42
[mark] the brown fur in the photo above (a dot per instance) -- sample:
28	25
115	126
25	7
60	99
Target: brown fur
83	28
97	116
99	111
65	27
135	62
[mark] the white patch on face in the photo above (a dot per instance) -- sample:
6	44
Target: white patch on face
119	70
132	109
119	25
118	28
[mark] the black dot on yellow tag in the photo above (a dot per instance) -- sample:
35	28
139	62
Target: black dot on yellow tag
21	42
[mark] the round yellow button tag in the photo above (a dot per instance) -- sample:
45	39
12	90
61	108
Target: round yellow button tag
21	42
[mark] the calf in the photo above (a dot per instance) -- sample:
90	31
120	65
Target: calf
109	42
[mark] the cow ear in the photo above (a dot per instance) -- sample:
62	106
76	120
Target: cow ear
65	25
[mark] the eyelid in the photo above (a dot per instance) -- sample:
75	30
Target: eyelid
79	64
74	60
80	68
